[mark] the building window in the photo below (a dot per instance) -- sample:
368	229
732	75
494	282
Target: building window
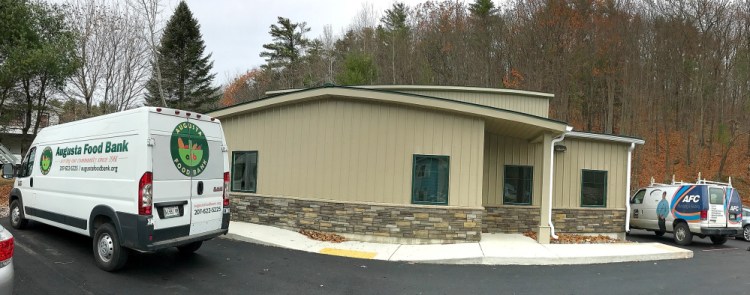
593	188
44	120
244	171
430	180
517	185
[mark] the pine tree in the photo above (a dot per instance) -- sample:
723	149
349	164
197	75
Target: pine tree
283	56
186	72
289	43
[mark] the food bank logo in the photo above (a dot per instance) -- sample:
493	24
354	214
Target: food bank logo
45	164
189	149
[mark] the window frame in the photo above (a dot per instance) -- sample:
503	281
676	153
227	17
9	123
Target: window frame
604	190
231	181
414	177
635	197
531	186
27	164
721	196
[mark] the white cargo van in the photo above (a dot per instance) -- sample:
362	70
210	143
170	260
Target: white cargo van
704	208
143	179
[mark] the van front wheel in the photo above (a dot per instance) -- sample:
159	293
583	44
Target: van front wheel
17	219
718	240
108	253
682	234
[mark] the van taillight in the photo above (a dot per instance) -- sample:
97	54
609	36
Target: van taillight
226	189
704	214
145	193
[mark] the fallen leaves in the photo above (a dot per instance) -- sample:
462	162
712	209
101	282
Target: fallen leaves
577	239
5	186
320	236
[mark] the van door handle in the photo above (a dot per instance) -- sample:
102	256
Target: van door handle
31	182
200	188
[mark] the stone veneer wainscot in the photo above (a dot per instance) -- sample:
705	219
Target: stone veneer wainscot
519	219
438	224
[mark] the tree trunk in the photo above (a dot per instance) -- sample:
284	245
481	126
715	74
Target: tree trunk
29	106
724	156
4	96
608	128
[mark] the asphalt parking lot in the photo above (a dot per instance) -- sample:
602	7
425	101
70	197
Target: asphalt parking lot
53	261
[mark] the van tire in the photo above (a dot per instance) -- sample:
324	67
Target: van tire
190	248
108	253
718	240
659	233
746	233
682	234
17	218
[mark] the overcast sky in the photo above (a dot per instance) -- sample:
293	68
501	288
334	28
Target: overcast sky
235	30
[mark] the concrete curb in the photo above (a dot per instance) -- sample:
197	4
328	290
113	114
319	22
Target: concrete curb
561	260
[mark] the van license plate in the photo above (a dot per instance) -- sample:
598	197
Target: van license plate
171	211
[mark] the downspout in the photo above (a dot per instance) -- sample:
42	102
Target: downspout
552	177
627	188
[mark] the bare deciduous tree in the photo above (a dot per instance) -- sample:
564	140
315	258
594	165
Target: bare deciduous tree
150	10
113	57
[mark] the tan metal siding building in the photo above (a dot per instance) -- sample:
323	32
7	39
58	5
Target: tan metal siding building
421	164
371	160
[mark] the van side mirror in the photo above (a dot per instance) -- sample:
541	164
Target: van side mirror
8	171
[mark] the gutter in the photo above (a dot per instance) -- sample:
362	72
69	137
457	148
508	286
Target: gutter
551	178
627	188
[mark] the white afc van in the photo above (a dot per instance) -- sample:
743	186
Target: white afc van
143	179
704	209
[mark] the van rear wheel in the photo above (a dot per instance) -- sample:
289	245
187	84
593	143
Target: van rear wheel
718	240
190	248
682	234
108	253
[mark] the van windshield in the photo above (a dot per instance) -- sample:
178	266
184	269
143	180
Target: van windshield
716	196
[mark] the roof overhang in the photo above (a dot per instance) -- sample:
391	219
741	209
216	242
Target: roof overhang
604	137
506	122
438	88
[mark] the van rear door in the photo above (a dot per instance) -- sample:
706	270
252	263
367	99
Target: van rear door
206	155
734	208
171	179
716	207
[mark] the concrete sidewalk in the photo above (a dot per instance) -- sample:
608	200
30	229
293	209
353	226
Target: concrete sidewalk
494	249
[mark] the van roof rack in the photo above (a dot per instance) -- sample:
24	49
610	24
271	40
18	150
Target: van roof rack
703	181
654	183
699	181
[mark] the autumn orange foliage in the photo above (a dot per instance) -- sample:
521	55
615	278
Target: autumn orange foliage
514	80
231	92
650	161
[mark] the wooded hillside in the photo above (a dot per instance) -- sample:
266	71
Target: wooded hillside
675	73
